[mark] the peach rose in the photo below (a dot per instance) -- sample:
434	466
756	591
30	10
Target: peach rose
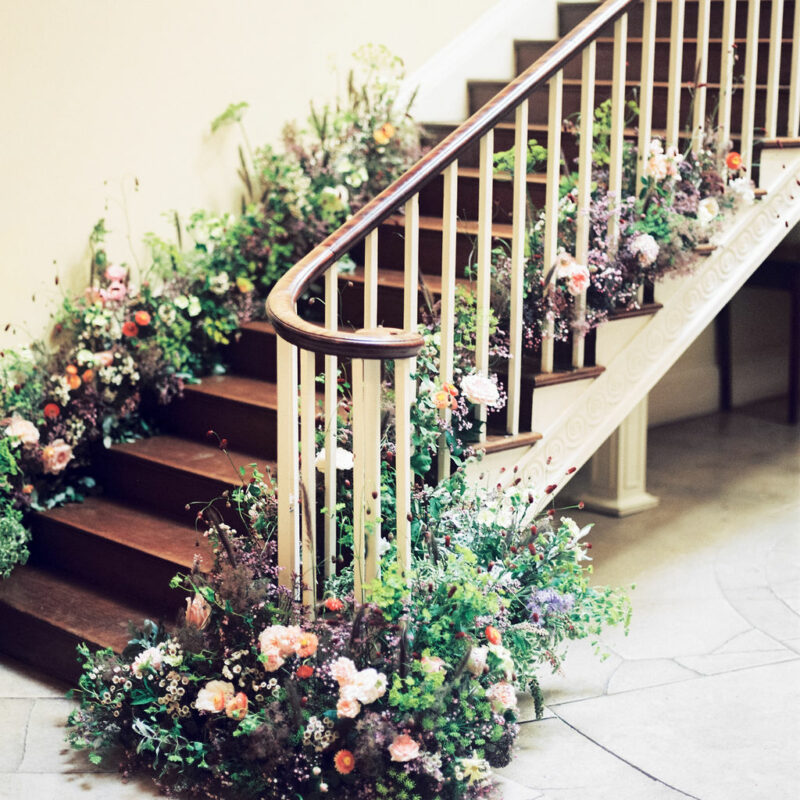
307	644
105	358
432	664
56	456
214	696
116	273
502	696
403	748
343	670
198	611
480	390
348	707
21	429
236	707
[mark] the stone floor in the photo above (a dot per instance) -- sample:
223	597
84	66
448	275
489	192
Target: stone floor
700	700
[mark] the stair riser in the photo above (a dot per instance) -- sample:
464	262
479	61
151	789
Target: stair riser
431	198
569	15
122	572
246	427
481	93
528	52
164	489
254	355
39	644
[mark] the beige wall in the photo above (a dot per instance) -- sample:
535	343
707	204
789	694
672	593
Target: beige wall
99	93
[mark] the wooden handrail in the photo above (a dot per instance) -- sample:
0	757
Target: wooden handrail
389	343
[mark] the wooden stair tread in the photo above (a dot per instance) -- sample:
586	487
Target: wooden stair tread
497	443
474	172
395	279
780	143
644	310
199	458
85	613
566	376
499	231
237	388
150	533
259	326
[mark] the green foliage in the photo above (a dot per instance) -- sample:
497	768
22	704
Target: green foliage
536	156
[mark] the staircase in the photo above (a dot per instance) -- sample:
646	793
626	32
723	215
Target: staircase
98	564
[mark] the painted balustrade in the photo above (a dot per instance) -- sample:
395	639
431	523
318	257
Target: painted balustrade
358	356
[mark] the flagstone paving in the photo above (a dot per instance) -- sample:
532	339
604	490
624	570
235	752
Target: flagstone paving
700	700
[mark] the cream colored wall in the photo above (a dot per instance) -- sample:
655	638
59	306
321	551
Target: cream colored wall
100	94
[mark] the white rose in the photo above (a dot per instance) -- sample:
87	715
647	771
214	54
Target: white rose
707	210
480	390
367	686
476	663
22	429
344	460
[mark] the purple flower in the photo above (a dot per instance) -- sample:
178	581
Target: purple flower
546	603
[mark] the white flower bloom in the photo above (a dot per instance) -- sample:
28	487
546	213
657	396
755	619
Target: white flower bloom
645	248
476	663
219	283
479	389
344	460
707	210
152	658
367	686
743	188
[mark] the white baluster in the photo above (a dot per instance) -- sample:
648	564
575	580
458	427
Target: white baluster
308	527
288	469
404	389
701	74
449	222
646	88
554	121
774	72
517	265
793	128
675	69
726	71
411	293
371	280
584	192
331	422
617	136
484	264
750	67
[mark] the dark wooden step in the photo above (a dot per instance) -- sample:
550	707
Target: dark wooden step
254	353
240	408
527	52
164	473
46	615
124	551
570	14
499	442
480	92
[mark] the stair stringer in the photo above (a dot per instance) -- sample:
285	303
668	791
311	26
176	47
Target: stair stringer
750	237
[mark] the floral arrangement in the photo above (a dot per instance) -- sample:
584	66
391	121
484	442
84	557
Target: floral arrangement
411	693
133	339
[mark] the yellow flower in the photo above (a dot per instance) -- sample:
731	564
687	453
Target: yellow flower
384	134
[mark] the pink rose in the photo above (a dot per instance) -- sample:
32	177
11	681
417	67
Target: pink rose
116	291
348	707
578	280
480	390
343	671
56	456
105	358
21	429
214	696
432	664
403	748
502	696
116	273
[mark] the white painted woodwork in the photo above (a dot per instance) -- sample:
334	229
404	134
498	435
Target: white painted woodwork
749	98
554	120
583	222
617	125
331	416
288	468
404	388
550	401
484	262
619	469
728	56
371	280
411	293
646	88
449	221
517	267
359	427
675	69
308	477
700	77
372	466
774	70
793	129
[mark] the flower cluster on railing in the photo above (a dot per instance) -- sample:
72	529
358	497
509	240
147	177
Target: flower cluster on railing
412	693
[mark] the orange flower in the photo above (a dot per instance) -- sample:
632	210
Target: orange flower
88	376
198	611
130	329
443	399
334	604
344	761
71	370
307	644
73	381
142	318
734	160
52	411
383	134
493	635
236	707
305	671
27	488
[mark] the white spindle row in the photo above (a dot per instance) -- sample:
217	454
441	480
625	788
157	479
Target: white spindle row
484	263
701	74
617	124
794	86
749	96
